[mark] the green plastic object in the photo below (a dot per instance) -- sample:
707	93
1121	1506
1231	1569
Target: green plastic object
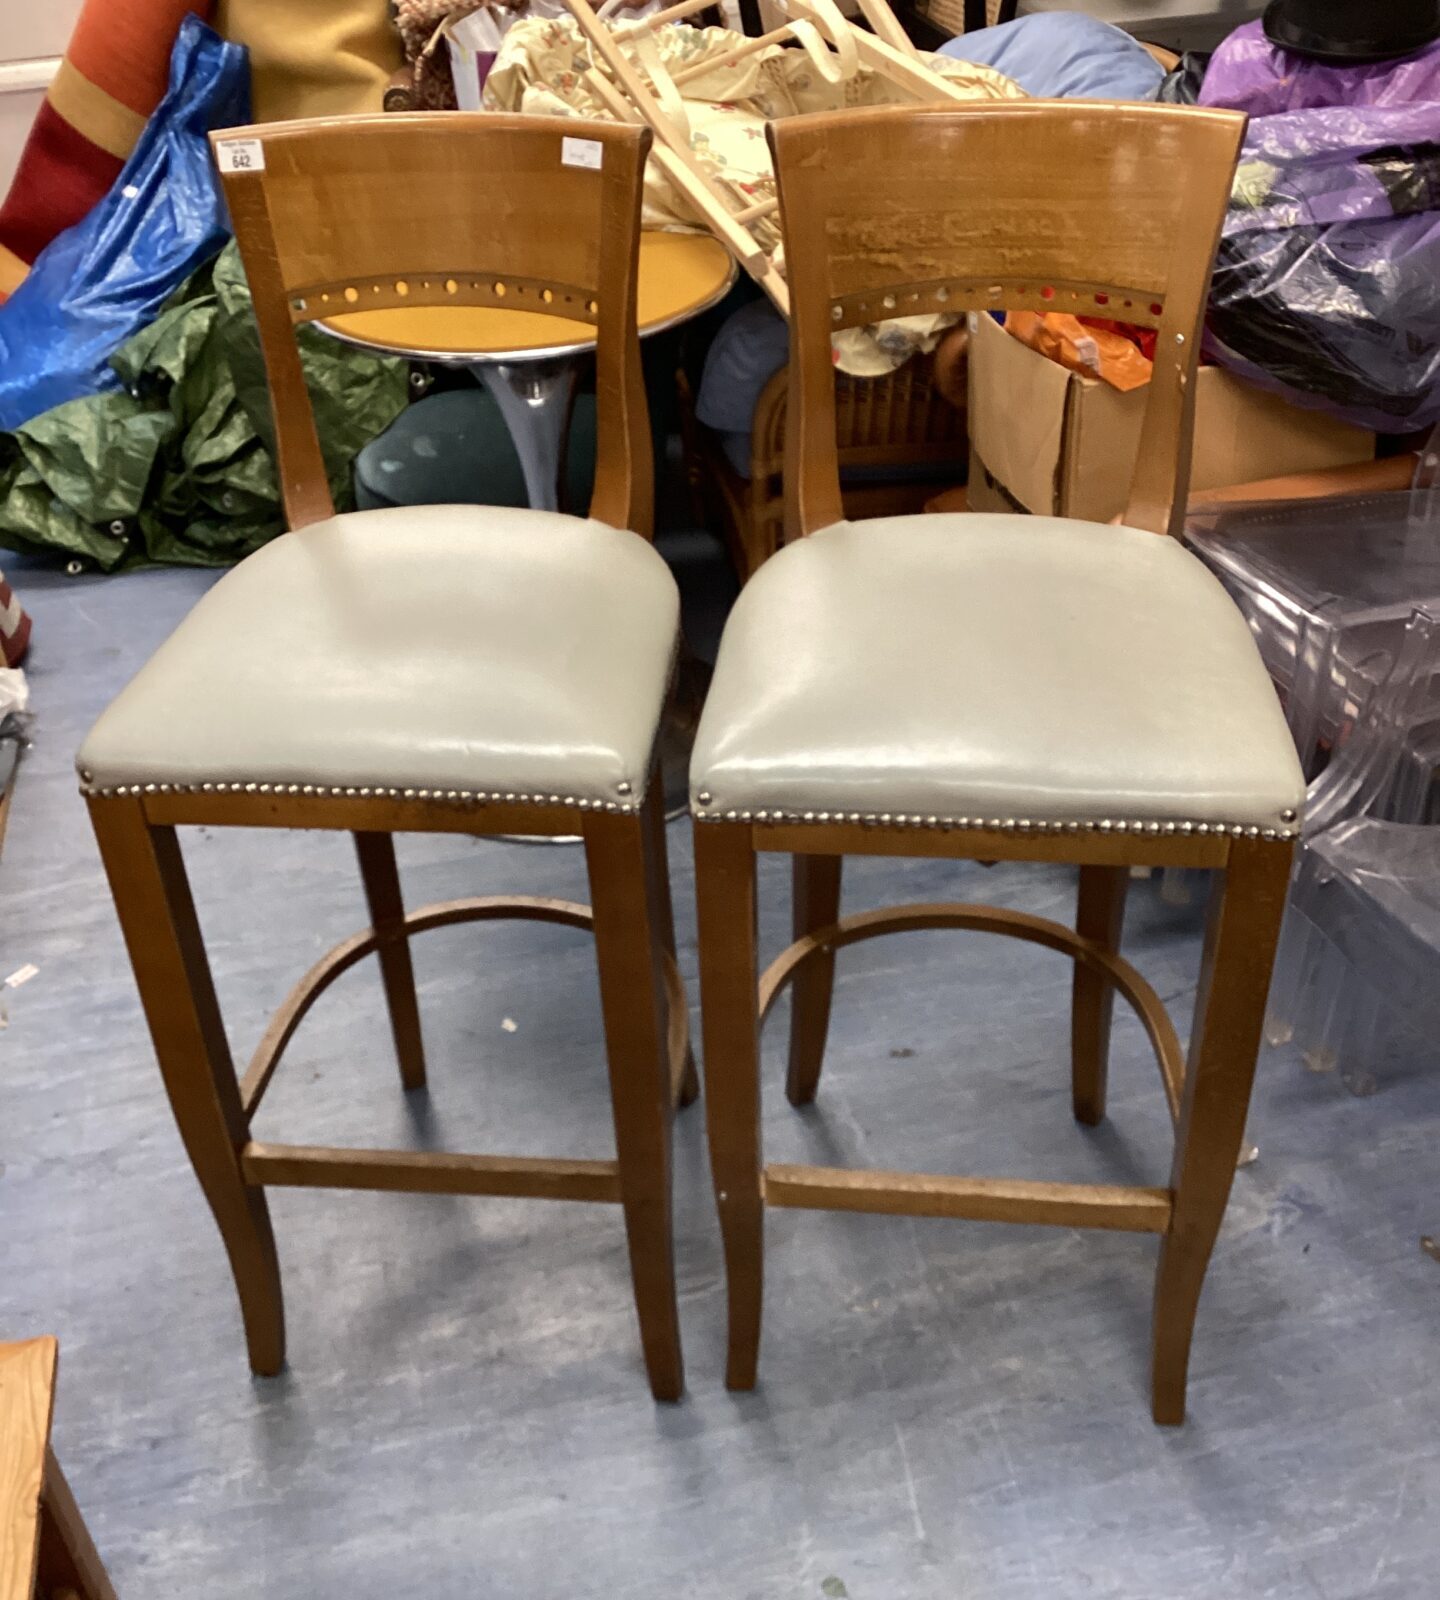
178	467
453	448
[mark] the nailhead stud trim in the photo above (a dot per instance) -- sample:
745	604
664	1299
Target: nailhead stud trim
886	819
455	797
1027	825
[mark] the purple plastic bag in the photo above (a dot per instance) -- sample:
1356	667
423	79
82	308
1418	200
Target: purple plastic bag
1325	284
1248	73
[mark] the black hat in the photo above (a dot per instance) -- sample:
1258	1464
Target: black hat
1353	30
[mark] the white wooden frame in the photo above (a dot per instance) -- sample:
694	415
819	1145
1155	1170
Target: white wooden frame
629	81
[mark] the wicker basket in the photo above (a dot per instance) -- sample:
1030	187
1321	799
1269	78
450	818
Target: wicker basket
949	15
899	421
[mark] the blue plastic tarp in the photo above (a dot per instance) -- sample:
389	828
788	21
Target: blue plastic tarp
104	279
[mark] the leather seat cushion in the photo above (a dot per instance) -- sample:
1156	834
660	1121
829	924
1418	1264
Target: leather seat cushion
993	667
453	648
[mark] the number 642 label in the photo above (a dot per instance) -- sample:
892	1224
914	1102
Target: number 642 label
240	155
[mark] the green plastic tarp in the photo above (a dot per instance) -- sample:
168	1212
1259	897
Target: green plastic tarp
177	465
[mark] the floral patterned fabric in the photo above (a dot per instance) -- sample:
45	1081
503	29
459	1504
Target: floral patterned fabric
540	70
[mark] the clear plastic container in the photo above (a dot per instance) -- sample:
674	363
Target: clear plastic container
1328	587
1360	951
1343	597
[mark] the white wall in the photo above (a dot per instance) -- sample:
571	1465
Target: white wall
31	31
30	28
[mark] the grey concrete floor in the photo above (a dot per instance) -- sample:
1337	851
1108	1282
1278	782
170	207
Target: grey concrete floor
947	1411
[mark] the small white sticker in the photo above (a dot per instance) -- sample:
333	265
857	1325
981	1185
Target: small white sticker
581	153
23	975
241	155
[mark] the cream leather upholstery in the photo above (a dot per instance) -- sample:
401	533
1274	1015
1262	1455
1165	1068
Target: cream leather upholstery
443	648
986	668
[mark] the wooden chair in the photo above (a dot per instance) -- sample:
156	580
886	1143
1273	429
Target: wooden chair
452	669
46	1552
889	425
994	687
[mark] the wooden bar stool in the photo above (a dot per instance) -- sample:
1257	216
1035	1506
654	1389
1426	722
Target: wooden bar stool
994	687
454	669
46	1552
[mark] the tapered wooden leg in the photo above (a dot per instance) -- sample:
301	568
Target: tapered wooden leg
69	1562
1099	918
1247	903
689	1090
162	933
628	944
815	904
381	878
725	886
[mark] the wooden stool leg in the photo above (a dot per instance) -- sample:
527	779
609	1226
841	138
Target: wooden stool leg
619	853
1246	907
387	916
1099	918
162	933
69	1562
725	884
815	904
665	920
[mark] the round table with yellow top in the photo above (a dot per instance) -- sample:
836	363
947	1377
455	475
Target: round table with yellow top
528	360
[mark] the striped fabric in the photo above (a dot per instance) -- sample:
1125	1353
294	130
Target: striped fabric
14	627
112	78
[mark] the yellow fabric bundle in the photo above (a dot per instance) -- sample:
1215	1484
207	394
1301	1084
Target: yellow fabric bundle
314	58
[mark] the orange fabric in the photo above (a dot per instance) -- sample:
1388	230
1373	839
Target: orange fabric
123	46
12	272
1092	351
98	116
114	75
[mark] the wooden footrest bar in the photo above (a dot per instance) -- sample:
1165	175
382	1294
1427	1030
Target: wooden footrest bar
429	1172
914	1194
1142	998
488	908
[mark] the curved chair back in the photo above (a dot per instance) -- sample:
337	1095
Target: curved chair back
538	214
1110	210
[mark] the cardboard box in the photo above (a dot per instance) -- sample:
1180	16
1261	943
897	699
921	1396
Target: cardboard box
1048	441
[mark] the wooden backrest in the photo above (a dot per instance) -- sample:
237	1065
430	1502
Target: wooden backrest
538	214
1110	210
